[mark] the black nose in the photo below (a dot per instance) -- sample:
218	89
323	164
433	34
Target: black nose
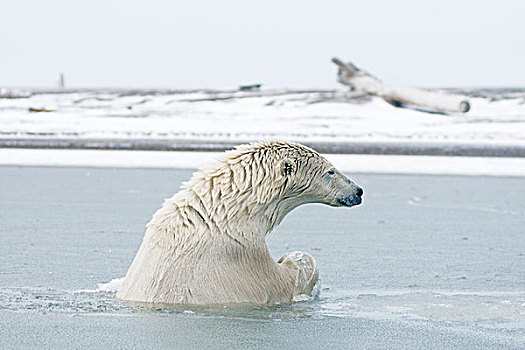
359	191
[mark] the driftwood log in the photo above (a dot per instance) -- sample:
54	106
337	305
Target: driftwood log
362	82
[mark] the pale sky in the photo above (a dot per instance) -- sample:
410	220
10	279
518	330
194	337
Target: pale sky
217	44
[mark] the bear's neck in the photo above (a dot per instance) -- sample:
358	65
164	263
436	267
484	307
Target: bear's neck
243	217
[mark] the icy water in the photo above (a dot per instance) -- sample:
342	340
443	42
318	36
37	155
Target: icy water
425	262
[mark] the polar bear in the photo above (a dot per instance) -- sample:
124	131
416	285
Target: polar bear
206	244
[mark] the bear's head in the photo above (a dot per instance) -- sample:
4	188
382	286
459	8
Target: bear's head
268	180
311	178
291	174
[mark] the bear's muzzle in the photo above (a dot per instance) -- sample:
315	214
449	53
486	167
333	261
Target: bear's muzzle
353	199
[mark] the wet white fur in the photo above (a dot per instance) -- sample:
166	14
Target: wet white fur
206	244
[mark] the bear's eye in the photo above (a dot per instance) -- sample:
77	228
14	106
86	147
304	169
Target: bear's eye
287	168
331	172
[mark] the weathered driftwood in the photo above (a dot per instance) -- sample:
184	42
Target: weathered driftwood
33	109
431	101
251	87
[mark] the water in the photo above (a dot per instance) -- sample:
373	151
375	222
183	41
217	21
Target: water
425	262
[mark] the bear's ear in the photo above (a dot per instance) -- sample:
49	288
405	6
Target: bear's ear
287	167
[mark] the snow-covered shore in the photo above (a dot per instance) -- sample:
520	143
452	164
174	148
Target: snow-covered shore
348	163
216	120
496	118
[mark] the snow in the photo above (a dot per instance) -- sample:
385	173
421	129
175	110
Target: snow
247	116
348	163
496	118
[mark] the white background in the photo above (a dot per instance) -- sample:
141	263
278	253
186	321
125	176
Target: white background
190	44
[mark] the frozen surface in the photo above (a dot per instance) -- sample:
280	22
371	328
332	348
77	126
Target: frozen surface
431	262
353	163
496	117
